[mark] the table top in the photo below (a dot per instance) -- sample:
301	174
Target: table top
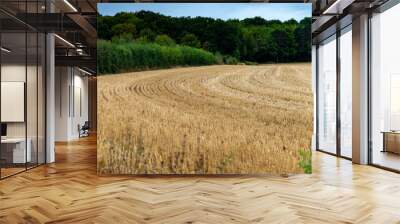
13	140
391	132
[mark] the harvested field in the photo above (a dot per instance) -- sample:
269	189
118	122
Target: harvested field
205	120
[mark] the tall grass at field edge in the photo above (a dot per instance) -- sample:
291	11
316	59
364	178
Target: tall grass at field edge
132	56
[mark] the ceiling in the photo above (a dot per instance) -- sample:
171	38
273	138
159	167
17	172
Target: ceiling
74	22
328	16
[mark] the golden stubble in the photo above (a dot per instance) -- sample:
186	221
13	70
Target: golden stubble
205	120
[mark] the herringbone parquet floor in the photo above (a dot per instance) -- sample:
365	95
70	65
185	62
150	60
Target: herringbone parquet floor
70	191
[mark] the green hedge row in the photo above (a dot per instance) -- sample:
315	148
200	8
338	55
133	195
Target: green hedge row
116	57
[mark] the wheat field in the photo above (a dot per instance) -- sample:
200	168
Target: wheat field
222	119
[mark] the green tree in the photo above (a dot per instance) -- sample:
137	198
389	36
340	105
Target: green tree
264	48
164	40
190	40
123	38
123	28
125	17
147	35
249	46
256	21
206	46
226	37
251	39
303	39
104	24
286	44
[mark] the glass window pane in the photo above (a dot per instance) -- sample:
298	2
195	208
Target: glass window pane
346	92
385	89
41	98
31	97
14	153
22	87
327	95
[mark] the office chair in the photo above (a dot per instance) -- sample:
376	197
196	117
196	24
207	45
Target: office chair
84	130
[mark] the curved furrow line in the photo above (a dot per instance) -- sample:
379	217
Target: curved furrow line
189	119
243	89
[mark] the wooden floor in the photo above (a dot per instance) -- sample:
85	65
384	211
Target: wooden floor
70	191
5	172
387	159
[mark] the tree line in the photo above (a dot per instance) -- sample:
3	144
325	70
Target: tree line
249	40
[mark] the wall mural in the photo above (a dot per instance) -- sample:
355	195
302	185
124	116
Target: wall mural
204	88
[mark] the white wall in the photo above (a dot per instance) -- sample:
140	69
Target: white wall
70	83
12	73
13	101
80	89
62	82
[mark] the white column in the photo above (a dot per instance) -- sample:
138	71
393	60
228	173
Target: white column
50	94
314	89
360	90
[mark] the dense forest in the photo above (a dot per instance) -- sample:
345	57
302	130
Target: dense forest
146	36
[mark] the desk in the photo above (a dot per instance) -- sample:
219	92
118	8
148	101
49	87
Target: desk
391	141
13	150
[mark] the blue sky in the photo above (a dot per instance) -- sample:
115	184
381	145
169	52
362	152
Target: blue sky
281	11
